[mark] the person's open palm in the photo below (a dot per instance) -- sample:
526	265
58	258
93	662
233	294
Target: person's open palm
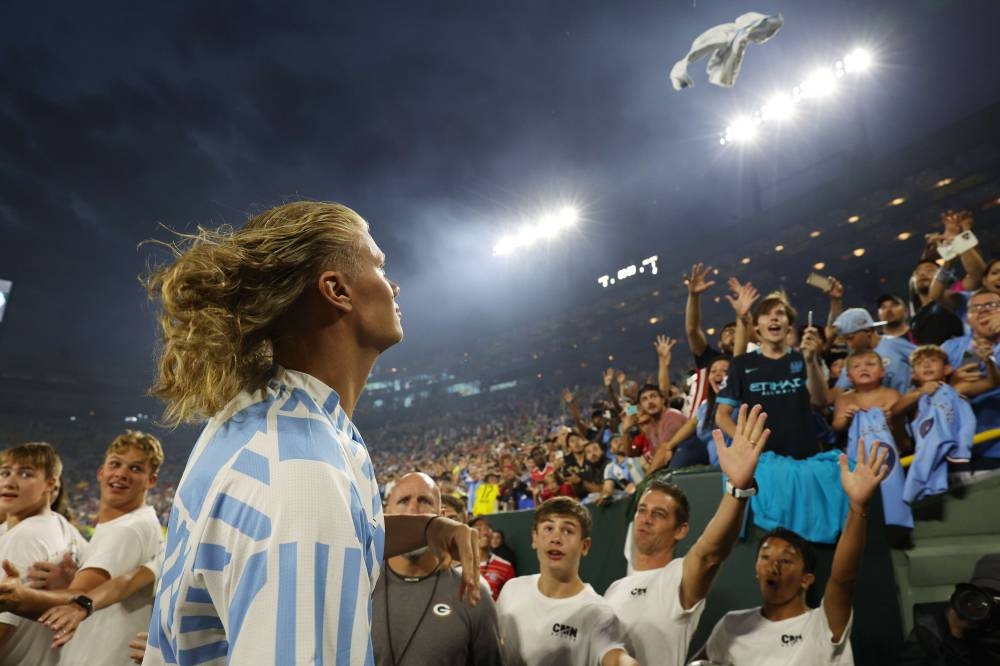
860	484
739	460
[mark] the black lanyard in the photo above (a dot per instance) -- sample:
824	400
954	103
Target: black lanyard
388	623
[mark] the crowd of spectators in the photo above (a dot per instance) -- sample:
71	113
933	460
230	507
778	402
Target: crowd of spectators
919	377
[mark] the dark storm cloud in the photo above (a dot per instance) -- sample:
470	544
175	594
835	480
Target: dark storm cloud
441	122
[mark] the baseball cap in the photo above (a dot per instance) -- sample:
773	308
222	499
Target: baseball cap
853	320
889	297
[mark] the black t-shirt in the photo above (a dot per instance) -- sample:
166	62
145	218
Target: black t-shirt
704	359
781	388
595	472
933	324
579	467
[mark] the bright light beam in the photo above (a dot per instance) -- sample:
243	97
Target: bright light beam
742	130
821	83
858	60
780	107
547	227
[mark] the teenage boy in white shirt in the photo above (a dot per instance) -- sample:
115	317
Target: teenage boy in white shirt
553	617
785	630
127	535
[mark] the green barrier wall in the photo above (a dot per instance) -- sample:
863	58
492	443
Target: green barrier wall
877	633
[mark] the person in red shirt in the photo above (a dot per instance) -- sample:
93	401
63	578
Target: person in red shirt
495	569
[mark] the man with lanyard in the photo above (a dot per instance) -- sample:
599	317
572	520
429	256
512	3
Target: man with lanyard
966	355
417	615
660	603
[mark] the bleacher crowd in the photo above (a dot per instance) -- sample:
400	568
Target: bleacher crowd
908	381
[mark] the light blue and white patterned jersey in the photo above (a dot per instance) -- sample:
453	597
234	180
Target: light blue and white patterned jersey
275	537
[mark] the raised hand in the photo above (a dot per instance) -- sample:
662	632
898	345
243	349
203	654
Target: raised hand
567	395
743	296
810	345
836	288
859	485
664	346
697	282
739	460
609	375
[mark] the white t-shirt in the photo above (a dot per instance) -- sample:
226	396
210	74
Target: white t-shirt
748	638
537	629
118	546
648	603
35	539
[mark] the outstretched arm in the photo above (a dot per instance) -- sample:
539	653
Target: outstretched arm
16	597
742	300
581	427
664	351
63	620
697	283
738	462
859	485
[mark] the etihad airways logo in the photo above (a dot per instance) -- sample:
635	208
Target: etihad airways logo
783	387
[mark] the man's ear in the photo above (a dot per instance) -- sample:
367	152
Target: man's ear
334	290
807	581
586	546
681	531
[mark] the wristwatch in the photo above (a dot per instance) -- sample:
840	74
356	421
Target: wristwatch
741	493
84	602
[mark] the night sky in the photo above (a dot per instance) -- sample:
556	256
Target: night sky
442	123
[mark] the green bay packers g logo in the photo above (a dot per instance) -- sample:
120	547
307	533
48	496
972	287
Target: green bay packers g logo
442	610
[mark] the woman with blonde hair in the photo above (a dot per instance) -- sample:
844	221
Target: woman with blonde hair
276	536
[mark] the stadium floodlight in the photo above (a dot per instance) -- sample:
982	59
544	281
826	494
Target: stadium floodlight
821	83
742	130
858	60
547	227
779	107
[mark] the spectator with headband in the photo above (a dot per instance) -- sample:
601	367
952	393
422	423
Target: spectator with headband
270	332
785	571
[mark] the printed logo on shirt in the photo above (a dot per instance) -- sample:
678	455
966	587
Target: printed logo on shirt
442	610
890	459
784	387
564	631
788	640
638	592
926	425
796	367
747	371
